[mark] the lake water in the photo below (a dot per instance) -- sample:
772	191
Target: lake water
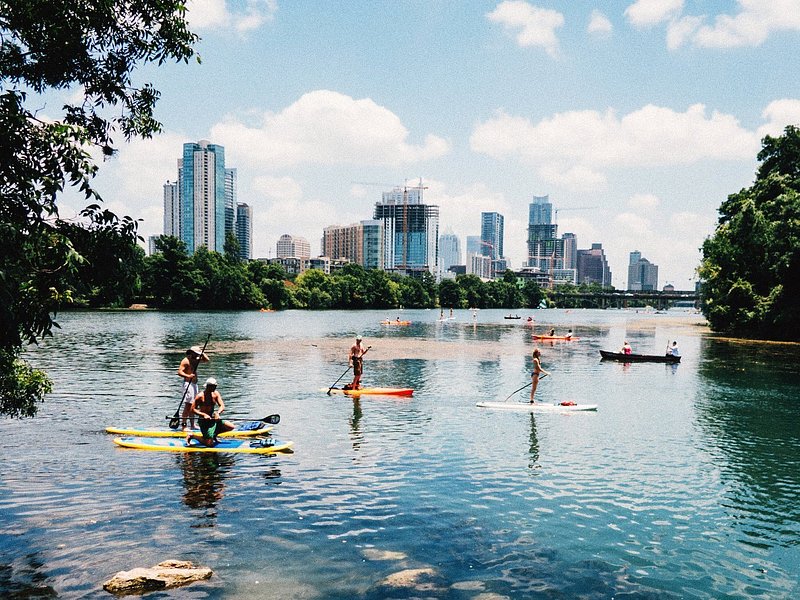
684	484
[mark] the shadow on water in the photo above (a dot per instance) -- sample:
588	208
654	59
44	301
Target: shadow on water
24	579
747	410
204	482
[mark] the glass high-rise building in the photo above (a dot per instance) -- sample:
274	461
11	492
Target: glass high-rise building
449	251
410	231
172	209
231	209
244	230
492	235
473	245
593	266
359	243
543	247
642	274
201	181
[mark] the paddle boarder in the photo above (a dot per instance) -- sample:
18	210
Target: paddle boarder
537	372
208	406
188	372
356	360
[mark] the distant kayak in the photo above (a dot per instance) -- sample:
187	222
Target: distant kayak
556	337
249	429
512	317
395	322
240	446
375	391
621	357
537	406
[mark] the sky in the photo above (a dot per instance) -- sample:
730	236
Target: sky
638	119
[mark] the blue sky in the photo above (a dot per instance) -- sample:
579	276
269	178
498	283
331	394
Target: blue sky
637	118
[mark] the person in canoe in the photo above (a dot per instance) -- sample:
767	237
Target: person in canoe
537	372
356	360
208	406
187	371
552	332
626	348
673	350
568	335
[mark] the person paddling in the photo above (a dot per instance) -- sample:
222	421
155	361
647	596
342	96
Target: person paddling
188	372
208	406
537	372
626	348
356	360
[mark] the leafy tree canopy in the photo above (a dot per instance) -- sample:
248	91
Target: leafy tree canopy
93	47
751	263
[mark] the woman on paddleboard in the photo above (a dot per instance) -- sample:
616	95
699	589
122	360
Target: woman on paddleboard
537	372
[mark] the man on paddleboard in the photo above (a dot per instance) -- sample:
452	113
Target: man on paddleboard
208	406
188	372
356	360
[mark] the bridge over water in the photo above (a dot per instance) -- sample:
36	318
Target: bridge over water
624	299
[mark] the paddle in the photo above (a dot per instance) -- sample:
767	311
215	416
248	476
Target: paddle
270	419
523	387
175	421
345	373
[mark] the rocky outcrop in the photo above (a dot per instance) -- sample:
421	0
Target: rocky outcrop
165	575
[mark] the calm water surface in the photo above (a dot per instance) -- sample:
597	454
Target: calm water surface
684	484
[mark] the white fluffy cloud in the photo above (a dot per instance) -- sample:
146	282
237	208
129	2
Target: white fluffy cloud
750	26
530	25
325	127
599	24
644	13
643	201
217	14
578	146
779	114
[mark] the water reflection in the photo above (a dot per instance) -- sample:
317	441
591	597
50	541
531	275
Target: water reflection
355	424
747	411
204	481
533	445
25	579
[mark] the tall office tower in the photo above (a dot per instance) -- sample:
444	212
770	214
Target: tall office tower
244	230
172	209
372	244
231	209
642	274
410	231
593	266
545	251
473	244
449	251
293	247
570	250
492	235
201	179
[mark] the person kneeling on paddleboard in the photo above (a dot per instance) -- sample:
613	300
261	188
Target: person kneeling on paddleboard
208	406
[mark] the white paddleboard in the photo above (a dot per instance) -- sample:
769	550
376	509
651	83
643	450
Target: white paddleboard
537	406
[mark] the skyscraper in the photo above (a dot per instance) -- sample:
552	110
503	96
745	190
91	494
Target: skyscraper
642	274
231	209
410	231
593	266
473	245
244	230
449	251
201	180
492	235
293	247
545	250
360	243
172	209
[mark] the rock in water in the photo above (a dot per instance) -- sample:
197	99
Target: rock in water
165	575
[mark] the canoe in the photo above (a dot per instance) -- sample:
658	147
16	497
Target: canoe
619	356
512	317
376	391
395	322
249	429
239	446
555	337
537	406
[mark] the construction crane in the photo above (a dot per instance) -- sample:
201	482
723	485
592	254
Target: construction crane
405	187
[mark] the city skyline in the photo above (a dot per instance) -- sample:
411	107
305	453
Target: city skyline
638	119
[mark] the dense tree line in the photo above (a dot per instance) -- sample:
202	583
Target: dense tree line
751	264
171	278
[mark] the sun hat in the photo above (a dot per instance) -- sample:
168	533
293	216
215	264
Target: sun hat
358	336
211	381
197	351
